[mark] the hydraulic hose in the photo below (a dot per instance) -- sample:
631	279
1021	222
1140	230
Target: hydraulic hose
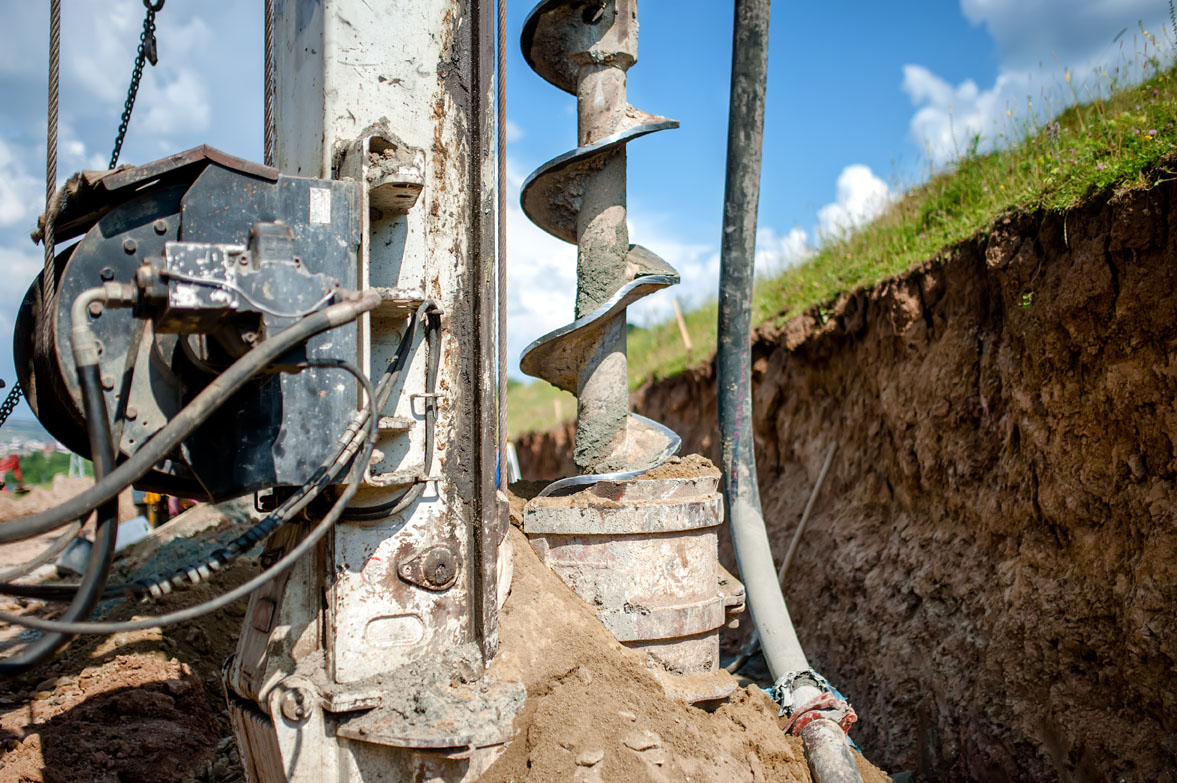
778	638
292	506
782	649
90	590
198	570
189	418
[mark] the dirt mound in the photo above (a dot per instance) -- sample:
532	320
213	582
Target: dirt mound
147	706
595	713
137	706
988	574
17	504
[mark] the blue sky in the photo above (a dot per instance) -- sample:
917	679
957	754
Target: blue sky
864	98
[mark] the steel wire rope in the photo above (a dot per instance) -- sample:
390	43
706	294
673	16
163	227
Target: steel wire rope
501	155
48	238
268	88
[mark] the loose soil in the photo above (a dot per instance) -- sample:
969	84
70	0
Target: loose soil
595	712
989	571
147	706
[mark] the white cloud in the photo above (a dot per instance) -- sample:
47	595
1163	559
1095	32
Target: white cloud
861	197
541	276
776	253
180	104
541	270
1041	44
21	194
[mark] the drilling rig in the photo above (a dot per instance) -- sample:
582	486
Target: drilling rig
325	330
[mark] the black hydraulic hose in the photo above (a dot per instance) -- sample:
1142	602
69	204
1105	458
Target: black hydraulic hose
199	570
409	496
90	591
187	420
745	142
782	650
313	537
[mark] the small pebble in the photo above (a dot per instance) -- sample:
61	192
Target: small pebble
589	758
627	715
42	695
643	740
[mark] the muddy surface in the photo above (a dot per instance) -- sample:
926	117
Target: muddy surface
989	571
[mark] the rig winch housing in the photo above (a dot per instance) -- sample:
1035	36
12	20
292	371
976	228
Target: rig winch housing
222	253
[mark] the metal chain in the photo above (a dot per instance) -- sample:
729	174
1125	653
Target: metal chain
147	51
10	403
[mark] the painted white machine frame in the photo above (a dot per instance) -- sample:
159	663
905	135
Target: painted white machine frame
396	94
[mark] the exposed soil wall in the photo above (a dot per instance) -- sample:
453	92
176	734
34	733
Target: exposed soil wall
991	571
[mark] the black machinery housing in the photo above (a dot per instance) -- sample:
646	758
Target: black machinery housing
281	245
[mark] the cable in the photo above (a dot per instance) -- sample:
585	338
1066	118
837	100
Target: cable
286	561
168	274
90	591
410	495
48	553
196	572
188	419
323	476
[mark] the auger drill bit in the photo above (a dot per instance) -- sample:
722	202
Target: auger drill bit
586	48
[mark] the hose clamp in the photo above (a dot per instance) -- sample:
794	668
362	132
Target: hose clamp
829	703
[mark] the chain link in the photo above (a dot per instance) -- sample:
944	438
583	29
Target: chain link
10	403
147	52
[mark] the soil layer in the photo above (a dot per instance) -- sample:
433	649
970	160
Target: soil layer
988	573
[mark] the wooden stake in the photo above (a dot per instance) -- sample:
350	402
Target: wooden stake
682	327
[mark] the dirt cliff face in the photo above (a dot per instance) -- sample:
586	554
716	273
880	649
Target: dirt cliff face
991	570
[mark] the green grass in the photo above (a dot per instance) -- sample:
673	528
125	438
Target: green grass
1121	138
536	406
40	467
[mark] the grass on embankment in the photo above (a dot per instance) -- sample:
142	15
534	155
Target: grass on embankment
1125	141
